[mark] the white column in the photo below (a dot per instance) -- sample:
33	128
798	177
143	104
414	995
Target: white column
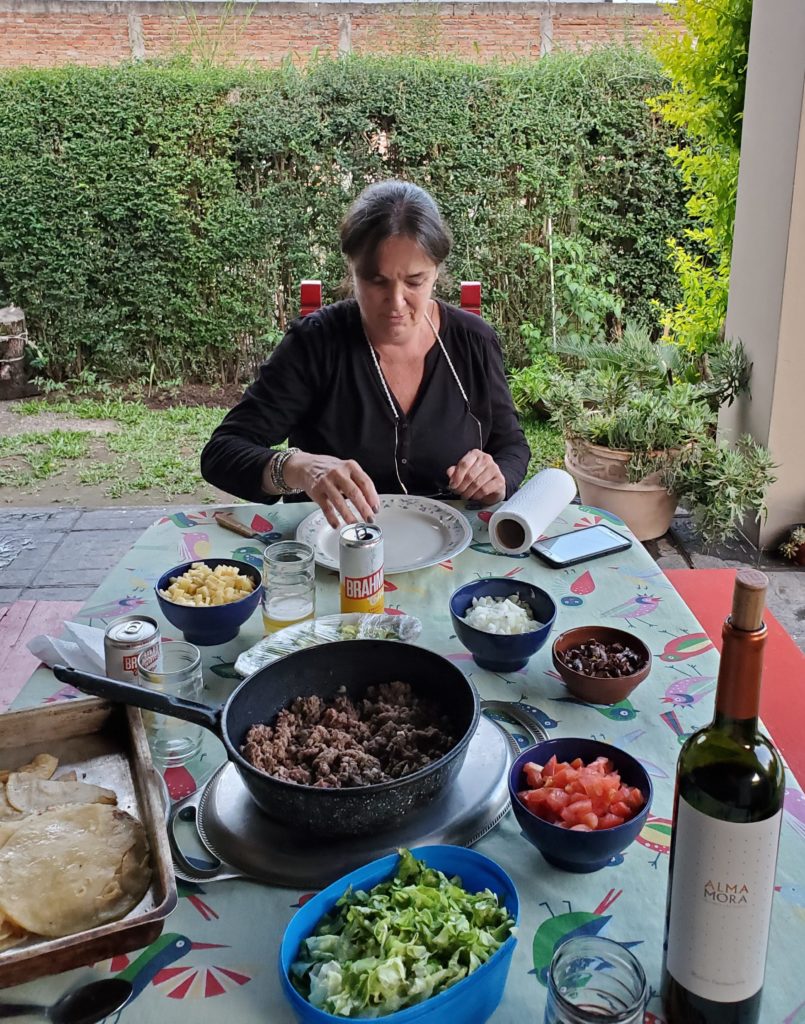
766	307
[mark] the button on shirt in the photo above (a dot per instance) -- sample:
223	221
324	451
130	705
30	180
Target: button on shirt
320	389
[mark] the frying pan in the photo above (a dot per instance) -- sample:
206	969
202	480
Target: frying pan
323	671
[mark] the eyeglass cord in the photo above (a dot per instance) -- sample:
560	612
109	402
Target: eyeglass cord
393	407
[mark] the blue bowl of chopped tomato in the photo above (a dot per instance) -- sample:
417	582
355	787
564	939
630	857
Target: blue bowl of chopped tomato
579	801
474	998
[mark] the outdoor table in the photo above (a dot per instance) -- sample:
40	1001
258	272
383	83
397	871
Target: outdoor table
235	978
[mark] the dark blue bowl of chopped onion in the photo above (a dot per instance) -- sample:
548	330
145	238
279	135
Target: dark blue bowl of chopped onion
502	651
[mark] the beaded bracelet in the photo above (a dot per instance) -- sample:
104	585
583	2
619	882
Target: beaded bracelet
277	472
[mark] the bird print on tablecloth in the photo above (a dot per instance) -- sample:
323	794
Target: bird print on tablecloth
194	545
111	609
192	892
637	607
641	576
671	719
186	520
158	965
689	690
655	835
251	554
559	927
623	711
141	580
688	645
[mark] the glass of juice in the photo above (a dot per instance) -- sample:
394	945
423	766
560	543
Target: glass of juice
289	584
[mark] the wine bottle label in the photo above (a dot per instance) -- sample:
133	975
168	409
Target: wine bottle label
721	898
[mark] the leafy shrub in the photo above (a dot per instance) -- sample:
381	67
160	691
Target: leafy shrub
163	214
707	67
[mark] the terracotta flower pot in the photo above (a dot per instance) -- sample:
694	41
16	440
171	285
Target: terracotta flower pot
646	507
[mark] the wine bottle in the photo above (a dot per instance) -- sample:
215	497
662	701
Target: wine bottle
727	817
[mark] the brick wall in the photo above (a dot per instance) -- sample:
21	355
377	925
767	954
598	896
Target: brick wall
50	32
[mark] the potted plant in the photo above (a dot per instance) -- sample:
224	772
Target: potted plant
794	547
639	425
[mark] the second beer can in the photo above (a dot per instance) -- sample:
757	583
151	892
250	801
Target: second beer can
126	638
361	568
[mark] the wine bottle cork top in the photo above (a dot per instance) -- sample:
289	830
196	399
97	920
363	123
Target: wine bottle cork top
749	599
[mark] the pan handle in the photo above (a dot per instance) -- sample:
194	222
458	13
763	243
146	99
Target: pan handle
142	697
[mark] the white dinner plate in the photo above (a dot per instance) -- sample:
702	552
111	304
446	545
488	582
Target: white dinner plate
328	629
417	532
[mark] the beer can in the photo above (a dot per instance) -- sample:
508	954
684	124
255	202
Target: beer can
360	549
124	640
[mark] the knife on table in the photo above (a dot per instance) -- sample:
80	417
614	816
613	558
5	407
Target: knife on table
229	521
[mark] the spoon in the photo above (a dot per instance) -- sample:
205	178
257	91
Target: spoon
85	1005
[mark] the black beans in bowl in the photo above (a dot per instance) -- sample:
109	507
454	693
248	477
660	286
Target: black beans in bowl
608	660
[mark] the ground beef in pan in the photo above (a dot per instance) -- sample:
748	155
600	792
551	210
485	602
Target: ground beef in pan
388	733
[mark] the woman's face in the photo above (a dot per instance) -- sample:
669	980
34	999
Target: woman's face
394	302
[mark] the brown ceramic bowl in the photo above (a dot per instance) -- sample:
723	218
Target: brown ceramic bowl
600	689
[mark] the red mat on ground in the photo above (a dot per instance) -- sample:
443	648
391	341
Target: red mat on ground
19	623
708	594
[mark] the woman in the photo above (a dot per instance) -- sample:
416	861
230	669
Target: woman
392	391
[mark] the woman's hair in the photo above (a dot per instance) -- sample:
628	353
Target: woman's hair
390	208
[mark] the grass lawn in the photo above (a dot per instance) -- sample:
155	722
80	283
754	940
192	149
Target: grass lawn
154	450
138	451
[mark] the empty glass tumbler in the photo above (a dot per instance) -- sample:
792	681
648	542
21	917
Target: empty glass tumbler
289	584
177	673
593	980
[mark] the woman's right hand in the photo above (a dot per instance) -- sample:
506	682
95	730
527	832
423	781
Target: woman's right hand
332	483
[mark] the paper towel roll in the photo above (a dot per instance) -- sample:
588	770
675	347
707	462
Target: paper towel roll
526	515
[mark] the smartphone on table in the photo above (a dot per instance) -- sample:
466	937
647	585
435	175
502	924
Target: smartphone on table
579	545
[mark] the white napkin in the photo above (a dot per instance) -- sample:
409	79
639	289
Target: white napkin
81	647
526	515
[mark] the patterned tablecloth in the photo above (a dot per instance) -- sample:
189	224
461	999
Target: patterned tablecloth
216	959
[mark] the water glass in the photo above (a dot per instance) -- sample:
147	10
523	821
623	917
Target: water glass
289	584
593	980
177	673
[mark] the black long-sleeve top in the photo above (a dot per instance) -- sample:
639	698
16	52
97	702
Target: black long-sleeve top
320	389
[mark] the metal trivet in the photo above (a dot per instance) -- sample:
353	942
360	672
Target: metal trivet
244	842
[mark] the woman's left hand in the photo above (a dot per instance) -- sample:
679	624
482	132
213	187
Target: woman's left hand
476	477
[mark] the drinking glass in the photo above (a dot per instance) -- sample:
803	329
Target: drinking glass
289	584
177	673
593	980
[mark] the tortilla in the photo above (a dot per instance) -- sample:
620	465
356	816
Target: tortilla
43	766
7	830
91	860
7	812
28	793
10	935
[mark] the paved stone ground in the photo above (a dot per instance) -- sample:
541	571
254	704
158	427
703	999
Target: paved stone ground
58	554
63	554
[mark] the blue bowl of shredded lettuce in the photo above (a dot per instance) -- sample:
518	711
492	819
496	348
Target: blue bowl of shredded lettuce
421	935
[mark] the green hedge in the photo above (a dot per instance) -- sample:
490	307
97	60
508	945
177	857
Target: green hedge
159	217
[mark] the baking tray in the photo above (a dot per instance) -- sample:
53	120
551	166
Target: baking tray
105	744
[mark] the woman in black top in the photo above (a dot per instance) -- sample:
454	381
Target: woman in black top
389	392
